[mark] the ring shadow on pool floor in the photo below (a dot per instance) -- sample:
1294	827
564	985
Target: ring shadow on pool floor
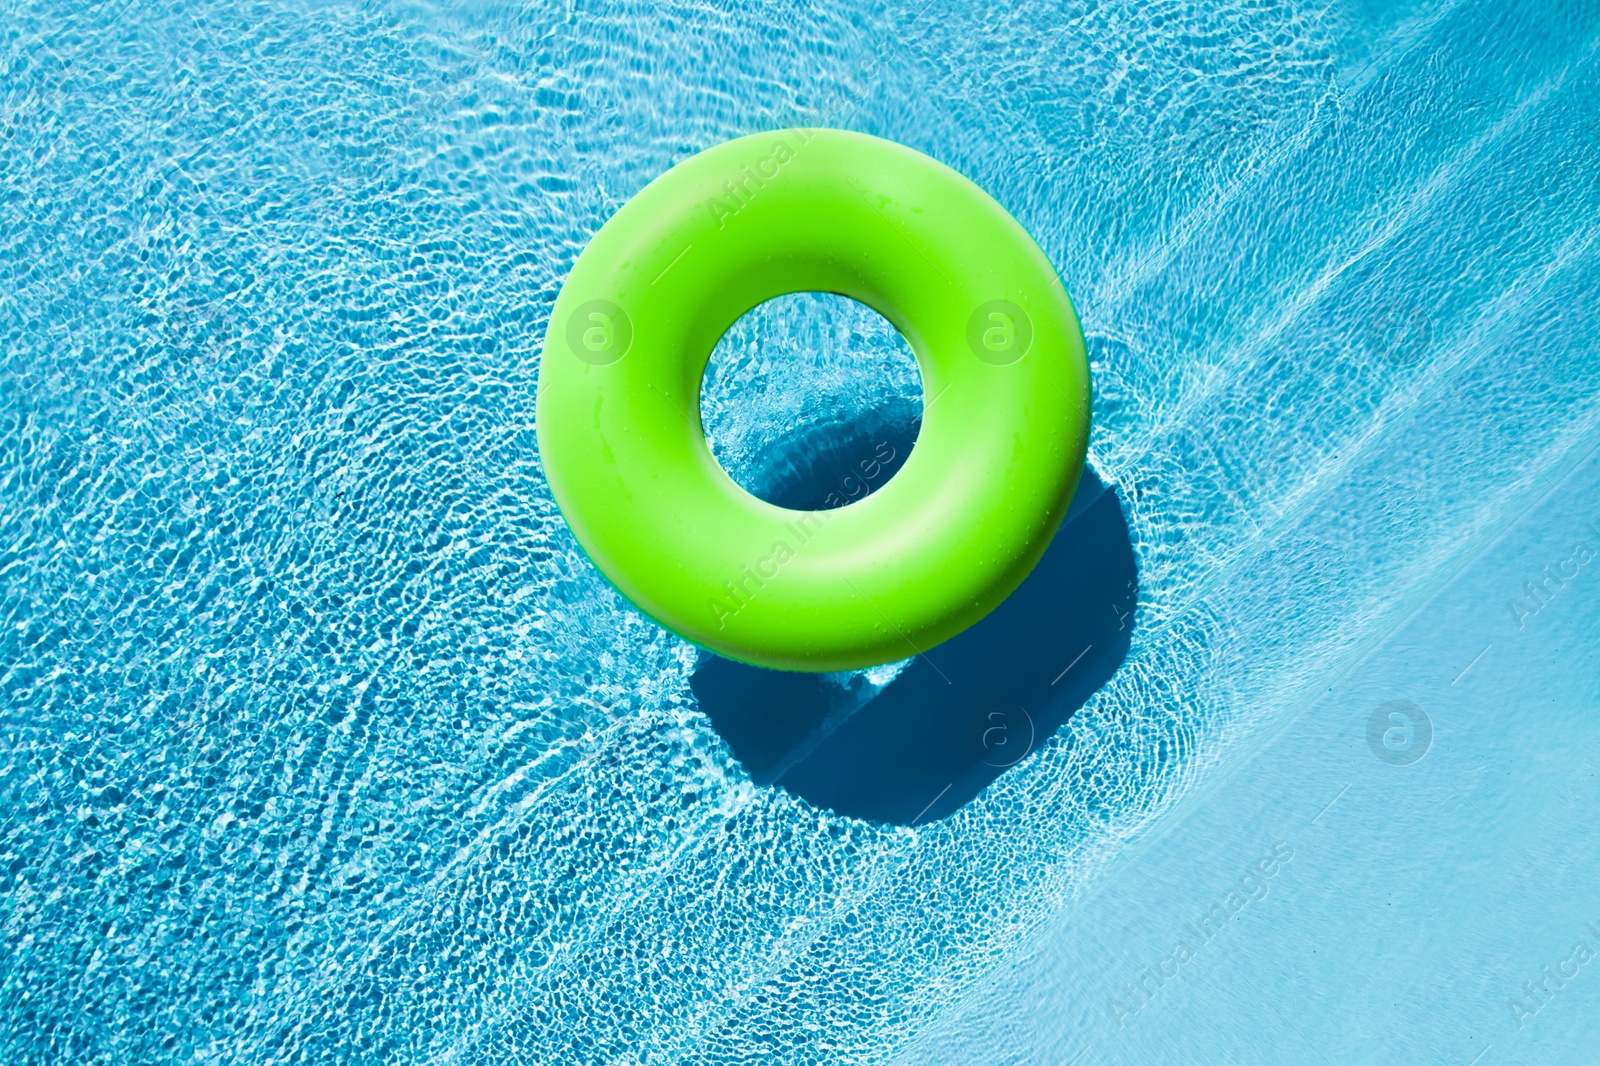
914	746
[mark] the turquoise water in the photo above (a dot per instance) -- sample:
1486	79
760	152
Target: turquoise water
324	742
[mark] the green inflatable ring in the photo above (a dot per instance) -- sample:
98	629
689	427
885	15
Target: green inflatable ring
1005	415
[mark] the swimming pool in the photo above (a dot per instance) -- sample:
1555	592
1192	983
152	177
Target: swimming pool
324	742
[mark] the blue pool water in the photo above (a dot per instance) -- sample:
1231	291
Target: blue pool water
325	743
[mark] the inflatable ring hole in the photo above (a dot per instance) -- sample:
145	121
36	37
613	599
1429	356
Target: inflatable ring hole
811	401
